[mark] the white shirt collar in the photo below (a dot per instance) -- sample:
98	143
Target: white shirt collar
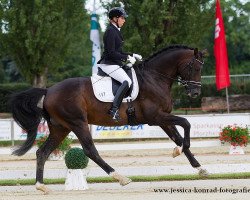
116	26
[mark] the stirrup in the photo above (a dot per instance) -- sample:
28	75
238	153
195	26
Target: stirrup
115	114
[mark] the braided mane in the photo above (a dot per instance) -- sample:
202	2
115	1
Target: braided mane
168	49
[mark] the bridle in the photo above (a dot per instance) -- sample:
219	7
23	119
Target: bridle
190	66
185	83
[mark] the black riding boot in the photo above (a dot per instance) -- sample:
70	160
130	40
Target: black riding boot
118	100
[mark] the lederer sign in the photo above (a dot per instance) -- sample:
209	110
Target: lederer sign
201	126
138	131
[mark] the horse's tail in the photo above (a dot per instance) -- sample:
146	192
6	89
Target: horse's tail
27	114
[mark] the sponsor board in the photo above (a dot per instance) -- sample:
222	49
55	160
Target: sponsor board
202	126
5	129
138	131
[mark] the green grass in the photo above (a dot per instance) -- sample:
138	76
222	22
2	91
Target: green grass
245	175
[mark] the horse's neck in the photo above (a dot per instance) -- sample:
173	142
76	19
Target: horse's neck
154	81
160	72
166	66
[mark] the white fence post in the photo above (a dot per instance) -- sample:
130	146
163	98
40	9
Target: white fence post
12	132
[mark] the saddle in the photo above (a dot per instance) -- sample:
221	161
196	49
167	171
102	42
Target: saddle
105	87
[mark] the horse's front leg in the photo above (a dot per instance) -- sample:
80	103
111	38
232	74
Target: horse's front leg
166	119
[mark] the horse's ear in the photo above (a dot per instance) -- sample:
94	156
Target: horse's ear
205	53
196	53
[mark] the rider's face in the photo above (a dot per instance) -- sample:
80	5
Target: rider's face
120	20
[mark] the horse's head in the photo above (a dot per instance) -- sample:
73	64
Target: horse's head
190	72
172	62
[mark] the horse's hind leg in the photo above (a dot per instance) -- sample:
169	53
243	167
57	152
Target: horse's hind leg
56	136
82	132
174	134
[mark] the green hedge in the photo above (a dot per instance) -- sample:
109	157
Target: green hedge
5	92
178	92
181	100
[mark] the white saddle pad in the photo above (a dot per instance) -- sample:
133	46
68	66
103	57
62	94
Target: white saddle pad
102	87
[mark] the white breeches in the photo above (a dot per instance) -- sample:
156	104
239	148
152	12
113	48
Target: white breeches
116	72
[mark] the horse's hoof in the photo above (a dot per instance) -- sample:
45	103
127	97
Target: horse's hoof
123	180
42	187
177	151
203	172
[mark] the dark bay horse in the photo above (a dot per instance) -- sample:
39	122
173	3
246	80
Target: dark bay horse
71	105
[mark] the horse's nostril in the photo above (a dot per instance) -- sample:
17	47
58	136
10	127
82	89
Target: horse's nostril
195	95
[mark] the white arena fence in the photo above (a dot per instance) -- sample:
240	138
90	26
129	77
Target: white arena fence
202	126
237	78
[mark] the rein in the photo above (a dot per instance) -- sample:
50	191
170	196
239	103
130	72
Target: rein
179	80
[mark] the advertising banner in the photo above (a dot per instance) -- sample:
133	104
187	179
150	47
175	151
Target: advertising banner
202	126
5	129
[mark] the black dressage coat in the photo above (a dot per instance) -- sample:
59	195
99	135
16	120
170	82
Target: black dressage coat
113	42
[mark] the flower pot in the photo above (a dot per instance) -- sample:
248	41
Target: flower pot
236	150
76	179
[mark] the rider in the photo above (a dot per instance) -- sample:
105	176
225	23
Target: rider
113	56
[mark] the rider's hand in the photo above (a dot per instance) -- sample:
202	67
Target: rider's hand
131	59
129	65
137	56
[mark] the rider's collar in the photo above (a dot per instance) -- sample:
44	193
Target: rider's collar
116	26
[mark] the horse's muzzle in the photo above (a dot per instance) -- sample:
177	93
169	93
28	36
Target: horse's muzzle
193	91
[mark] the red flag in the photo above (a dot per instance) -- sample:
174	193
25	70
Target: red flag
220	51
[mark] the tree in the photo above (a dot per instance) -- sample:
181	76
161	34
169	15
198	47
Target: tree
38	35
152	25
236	22
78	62
10	72
237	18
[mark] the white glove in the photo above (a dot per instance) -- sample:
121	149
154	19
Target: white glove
131	59
129	65
137	56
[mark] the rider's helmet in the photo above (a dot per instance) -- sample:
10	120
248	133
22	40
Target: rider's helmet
117	12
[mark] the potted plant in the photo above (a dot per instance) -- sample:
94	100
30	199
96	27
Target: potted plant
237	136
76	162
59	152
